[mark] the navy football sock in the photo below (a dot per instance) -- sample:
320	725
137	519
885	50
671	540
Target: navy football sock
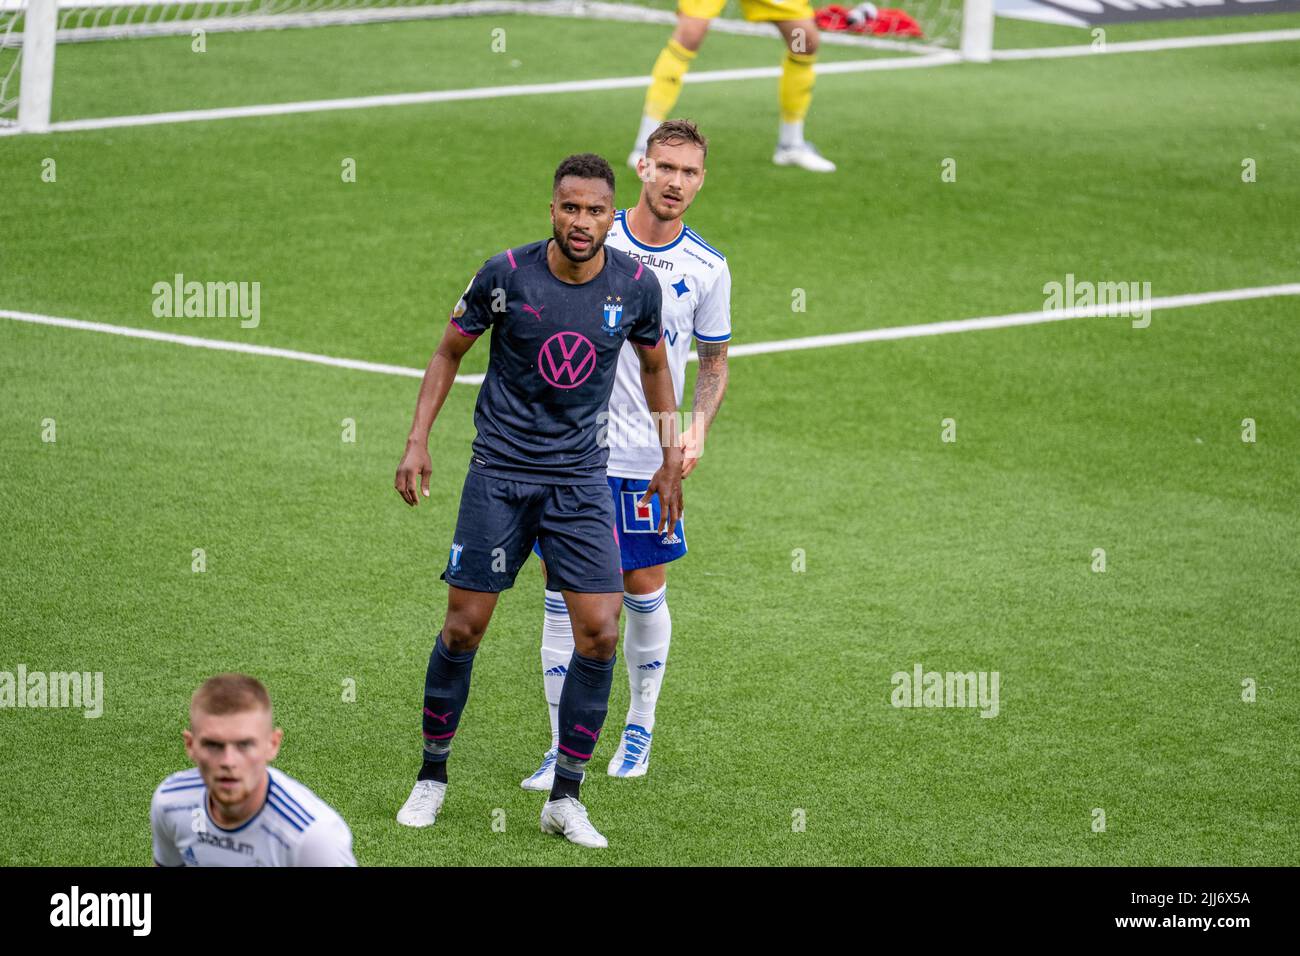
446	688
584	702
563	787
433	770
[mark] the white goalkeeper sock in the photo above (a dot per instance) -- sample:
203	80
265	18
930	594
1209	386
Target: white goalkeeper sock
557	651
648	125
645	648
791	133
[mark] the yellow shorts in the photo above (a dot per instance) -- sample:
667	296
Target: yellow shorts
750	9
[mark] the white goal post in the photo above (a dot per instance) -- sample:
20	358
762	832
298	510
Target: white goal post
977	31
30	30
36	86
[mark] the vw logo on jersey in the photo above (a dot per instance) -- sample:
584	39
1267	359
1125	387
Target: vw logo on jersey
613	312
567	359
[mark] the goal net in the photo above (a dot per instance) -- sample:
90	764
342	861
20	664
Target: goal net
25	23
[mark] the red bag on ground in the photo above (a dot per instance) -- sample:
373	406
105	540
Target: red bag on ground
888	22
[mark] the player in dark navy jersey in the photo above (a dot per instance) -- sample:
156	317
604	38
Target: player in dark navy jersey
560	310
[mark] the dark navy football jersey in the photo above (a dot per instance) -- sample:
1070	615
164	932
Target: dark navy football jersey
554	355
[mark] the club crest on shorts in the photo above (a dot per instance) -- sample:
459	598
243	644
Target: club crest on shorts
613	309
636	516
456	549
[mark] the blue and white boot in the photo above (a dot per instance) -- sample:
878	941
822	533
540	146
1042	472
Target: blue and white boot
632	759
544	776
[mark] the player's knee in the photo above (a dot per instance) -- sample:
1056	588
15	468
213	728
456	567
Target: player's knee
603	647
598	641
644	580
804	39
462	634
691	34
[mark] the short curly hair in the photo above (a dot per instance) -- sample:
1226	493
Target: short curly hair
584	166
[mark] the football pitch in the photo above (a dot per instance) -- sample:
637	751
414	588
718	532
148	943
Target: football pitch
836	538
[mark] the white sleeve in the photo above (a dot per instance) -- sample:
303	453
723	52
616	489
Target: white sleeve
326	843
164	840
713	314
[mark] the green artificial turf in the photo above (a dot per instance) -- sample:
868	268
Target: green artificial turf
1119	690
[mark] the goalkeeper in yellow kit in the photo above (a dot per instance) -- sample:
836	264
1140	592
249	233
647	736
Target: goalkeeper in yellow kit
794	18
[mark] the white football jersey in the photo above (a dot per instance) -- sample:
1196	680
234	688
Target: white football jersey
696	288
294	827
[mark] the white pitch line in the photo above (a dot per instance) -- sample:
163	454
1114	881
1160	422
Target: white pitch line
636	82
753	348
1014	319
1146	46
222	345
473	93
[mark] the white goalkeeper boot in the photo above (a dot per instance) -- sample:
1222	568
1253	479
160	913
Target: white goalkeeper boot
804	155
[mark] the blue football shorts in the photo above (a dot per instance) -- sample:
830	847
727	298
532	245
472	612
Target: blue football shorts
500	520
639	541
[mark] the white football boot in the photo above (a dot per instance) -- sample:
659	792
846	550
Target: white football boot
544	776
632	758
568	818
422	806
804	155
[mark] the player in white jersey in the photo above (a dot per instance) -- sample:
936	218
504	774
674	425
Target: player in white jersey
696	287
232	809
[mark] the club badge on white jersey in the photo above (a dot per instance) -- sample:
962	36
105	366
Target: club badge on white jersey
696	288
294	827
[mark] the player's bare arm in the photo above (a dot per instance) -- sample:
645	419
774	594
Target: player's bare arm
657	381
710	387
416	466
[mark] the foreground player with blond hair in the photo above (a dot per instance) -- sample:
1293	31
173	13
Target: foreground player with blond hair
233	809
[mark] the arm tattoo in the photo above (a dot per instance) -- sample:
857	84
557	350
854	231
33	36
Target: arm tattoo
711	382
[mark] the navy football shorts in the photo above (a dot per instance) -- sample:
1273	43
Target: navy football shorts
501	518
640	543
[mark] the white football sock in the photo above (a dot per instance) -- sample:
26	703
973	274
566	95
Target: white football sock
791	133
645	648
648	125
557	651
